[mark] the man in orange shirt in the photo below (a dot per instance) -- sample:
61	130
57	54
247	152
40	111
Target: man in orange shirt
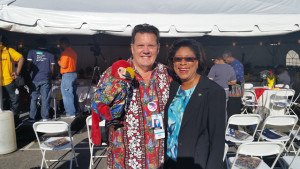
67	65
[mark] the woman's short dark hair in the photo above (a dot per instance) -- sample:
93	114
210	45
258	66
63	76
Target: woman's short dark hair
195	46
145	28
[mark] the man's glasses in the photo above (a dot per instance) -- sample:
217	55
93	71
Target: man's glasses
187	59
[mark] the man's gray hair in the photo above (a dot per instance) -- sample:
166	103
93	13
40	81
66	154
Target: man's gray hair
227	54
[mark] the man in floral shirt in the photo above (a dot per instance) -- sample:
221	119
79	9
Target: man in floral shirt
135	145
237	90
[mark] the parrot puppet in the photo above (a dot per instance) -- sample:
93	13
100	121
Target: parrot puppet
112	98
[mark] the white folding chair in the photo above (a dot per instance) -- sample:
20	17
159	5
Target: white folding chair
293	103
91	145
53	127
289	121
242	120
281	100
295	137
258	149
291	162
249	99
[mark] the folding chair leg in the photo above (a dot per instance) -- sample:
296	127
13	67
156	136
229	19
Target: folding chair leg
75	158
44	159
91	156
71	162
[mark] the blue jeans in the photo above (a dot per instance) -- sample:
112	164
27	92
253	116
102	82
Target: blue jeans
68	90
45	88
10	98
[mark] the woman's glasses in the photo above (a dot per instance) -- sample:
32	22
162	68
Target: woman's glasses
187	59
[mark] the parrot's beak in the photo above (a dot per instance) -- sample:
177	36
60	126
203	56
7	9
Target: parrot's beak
129	73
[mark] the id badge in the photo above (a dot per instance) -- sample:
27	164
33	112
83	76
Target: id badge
158	126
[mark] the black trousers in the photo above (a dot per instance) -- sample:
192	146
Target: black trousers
234	106
10	98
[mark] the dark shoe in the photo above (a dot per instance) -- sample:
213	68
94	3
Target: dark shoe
30	120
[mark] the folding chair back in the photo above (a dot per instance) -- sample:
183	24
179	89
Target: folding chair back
283	120
91	145
242	120
282	95
53	127
249	99
249	96
260	149
248	86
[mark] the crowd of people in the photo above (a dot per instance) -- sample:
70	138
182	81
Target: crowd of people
40	65
193	106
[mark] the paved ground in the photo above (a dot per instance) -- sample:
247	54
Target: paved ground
28	155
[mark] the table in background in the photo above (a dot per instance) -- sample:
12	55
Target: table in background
264	96
83	85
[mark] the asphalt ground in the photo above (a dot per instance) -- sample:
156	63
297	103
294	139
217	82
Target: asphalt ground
29	156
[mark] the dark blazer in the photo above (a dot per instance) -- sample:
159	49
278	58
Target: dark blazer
201	137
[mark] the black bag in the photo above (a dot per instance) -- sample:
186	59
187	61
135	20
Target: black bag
19	81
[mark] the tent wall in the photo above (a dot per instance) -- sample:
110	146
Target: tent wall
115	47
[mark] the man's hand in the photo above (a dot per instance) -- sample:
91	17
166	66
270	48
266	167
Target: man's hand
13	75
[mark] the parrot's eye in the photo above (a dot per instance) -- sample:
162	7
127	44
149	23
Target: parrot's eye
119	70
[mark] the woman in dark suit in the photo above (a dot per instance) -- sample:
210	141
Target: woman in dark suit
195	112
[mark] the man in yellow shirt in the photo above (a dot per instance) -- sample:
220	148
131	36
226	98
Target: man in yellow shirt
7	76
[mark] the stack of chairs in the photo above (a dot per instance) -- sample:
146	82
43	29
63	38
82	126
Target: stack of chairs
274	139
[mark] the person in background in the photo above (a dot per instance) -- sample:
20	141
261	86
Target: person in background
195	112
41	66
67	63
223	75
7	75
235	94
135	145
283	76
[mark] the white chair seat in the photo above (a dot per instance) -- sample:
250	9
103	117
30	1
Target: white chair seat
283	138
262	164
46	147
281	104
288	160
236	140
251	104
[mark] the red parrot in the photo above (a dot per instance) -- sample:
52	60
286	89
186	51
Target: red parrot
111	98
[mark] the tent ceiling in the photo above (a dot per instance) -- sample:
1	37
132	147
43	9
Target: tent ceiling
174	18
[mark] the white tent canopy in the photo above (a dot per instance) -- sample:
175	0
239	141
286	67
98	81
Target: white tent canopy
174	18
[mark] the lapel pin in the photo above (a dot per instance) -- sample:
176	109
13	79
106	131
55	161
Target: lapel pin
199	94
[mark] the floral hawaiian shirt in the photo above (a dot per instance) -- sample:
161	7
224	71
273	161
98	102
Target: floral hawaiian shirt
134	145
